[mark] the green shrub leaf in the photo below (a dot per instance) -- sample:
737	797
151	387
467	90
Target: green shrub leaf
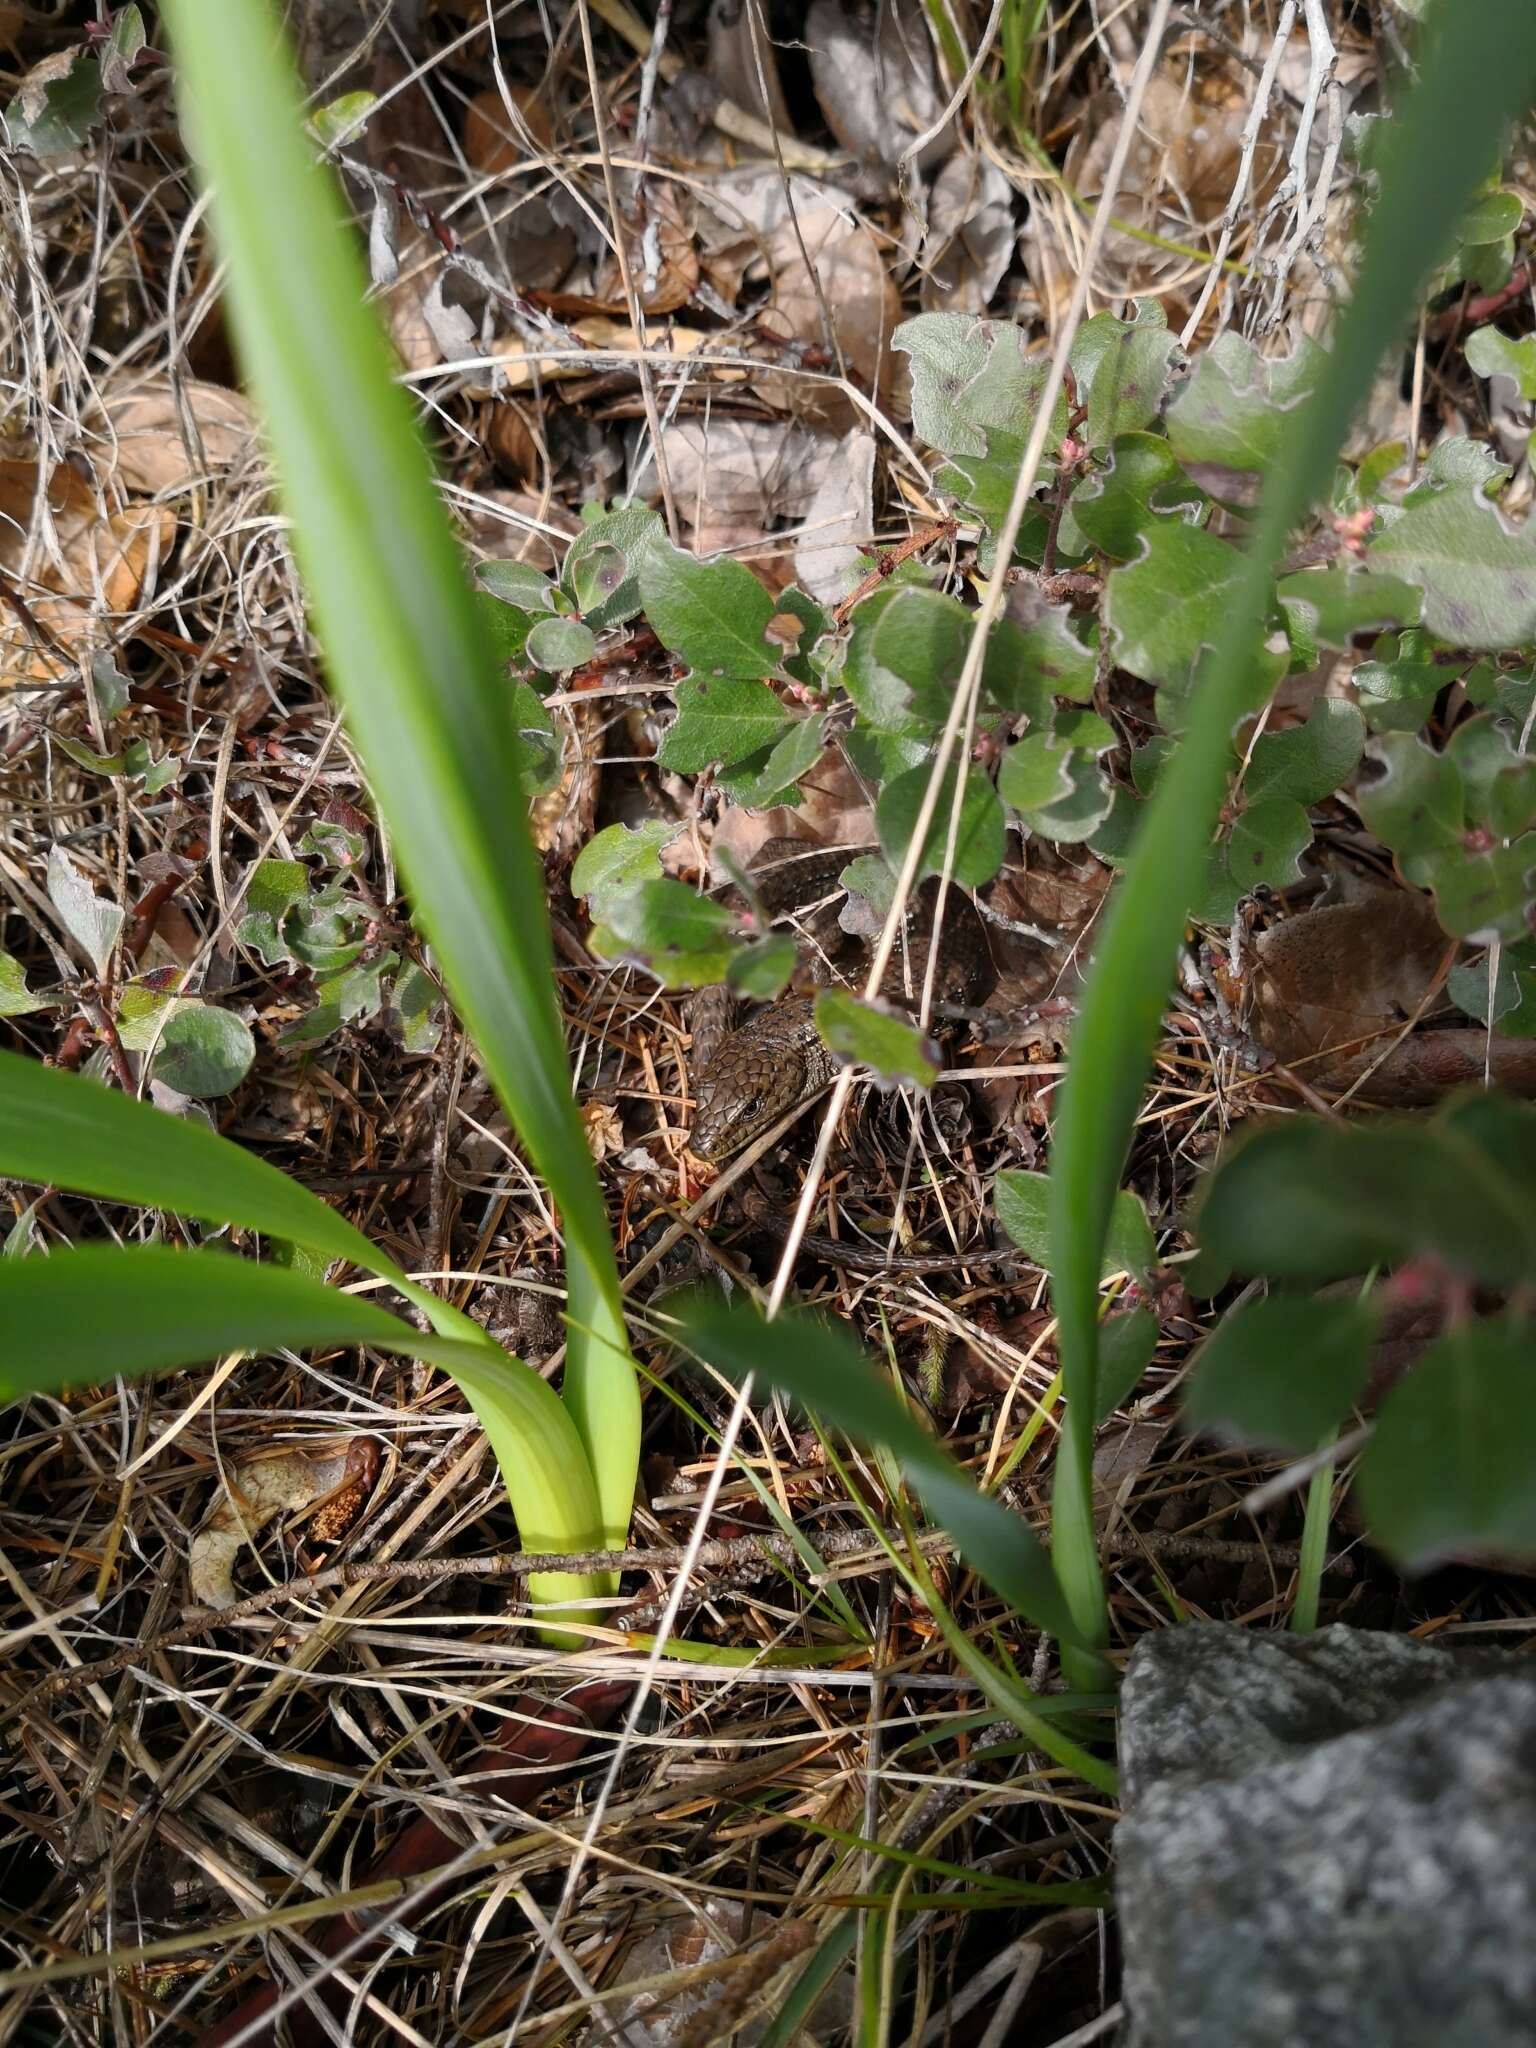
720	720
713	615
870	1036
1282	1373
1021	1200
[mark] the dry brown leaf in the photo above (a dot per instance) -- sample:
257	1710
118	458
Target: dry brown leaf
603	1129
853	273
840	518
266	1487
740	66
161	437
970	235
732	479
97	564
1344	973
875	78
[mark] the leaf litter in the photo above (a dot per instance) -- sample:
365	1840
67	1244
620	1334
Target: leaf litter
763	299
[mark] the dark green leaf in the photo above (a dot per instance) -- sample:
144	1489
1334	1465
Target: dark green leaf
1022	1201
1282	1373
872	1037
1449	1468
770	775
905	657
713	615
1332	605
618	856
203	1052
1027	665
1231	421
978	841
1126	1345
1166	609
1308	1201
560	645
1510	1003
1308	762
686	940
720	720
1142	487
764	966
517	583
1121	367
53	113
603	563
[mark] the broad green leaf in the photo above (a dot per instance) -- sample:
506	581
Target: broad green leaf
57	105
1484	894
1056	787
15	998
602	565
560	645
91	920
618	856
713	615
1499	783
763	967
1266	844
1022	1201
821	1366
414	1001
1121	367
539	763
1126	1345
516	583
407	646
1510	1003
1398	689
1167	608
1456	460
1234	416
873	1038
1142	487
1493	354
1478	575
1029	664
275	885
905	657
1417	805
1308	762
1335	604
63	1130
769	776
969	375
685	939
978	840
203	1051
1282	1373
1448	1469
1310	1201
720	720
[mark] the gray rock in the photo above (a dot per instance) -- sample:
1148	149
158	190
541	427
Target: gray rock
1329	1839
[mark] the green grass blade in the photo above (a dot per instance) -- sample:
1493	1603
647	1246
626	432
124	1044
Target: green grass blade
82	1317
1481	58
825	1370
67	1131
405	648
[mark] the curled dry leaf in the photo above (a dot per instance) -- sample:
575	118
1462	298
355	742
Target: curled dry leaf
876	81
743	63
73	559
1328	990
339	1480
970	235
839	520
160	437
733	480
849	276
521	365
